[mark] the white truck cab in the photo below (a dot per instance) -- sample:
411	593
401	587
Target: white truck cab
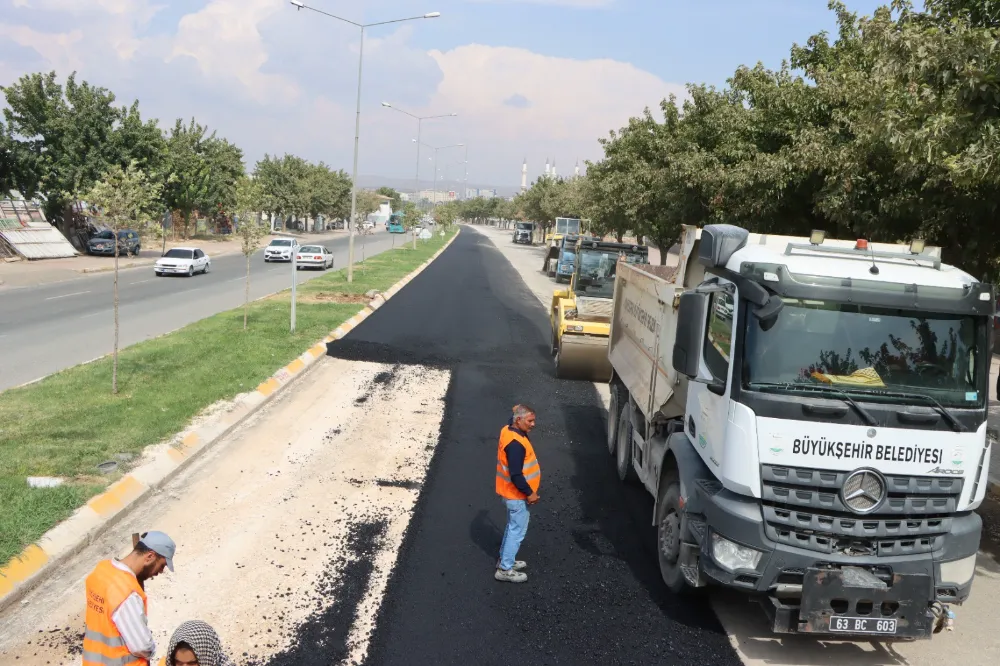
810	416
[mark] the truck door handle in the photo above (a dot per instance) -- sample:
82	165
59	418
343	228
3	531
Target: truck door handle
824	410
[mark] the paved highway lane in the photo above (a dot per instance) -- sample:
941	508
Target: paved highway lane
51	327
594	593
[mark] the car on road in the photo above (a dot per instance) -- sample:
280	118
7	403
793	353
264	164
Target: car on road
313	256
280	249
103	243
182	261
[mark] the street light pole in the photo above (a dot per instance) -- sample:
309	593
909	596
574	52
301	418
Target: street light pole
357	121
420	120
457	145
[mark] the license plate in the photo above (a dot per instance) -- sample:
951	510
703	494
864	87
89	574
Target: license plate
862	625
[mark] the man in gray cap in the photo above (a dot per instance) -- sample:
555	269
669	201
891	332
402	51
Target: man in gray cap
116	602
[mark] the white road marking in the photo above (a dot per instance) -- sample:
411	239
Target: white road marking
78	293
141	281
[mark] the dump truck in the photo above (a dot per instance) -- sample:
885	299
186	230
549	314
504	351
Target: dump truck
809	416
580	314
523	232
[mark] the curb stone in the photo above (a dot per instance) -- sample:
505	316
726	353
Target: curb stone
27	570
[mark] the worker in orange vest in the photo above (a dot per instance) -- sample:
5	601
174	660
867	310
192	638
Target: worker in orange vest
518	478
117	632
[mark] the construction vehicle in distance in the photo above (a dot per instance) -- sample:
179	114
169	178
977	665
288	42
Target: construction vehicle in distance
395	224
810	417
523	232
564	226
580	315
566	259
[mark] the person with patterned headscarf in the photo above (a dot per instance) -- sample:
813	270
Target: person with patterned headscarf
195	643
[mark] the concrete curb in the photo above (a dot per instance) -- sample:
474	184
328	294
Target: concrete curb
90	521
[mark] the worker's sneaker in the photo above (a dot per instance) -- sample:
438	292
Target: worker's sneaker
519	565
510	576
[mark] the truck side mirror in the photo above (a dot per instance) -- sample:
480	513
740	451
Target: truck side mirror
692	314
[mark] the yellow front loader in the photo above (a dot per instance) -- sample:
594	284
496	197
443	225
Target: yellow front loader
581	313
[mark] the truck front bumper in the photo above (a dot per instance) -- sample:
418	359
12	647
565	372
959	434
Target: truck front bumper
827	593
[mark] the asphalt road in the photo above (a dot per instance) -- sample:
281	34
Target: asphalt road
594	593
51	327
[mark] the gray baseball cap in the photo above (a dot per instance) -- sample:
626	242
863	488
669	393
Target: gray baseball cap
161	544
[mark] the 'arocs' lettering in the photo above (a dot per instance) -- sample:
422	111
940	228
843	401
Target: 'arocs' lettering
866	451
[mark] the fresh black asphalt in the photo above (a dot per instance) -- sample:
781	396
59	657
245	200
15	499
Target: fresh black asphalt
594	594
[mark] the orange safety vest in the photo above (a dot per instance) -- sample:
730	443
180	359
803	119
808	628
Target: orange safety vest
107	588
531	470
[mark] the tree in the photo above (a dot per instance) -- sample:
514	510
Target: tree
367	203
397	201
125	198
248	204
201	171
61	139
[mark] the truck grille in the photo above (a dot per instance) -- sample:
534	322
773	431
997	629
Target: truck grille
802	508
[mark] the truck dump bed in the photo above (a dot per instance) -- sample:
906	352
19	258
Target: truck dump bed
643	328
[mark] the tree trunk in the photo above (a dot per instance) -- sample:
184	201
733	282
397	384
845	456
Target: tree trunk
638	239
246	296
620	235
114	351
664	249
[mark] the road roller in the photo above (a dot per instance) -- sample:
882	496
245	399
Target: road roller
581	313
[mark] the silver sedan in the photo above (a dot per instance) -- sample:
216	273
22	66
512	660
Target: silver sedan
313	256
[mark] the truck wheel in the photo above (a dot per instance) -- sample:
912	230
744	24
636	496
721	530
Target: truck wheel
614	411
623	447
671	526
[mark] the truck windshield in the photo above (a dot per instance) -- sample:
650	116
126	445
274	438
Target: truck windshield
596	271
523	226
870	350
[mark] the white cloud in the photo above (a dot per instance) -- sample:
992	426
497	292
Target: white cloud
584	4
224	40
279	81
58	49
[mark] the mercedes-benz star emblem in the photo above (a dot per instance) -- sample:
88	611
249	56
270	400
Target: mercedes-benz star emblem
863	491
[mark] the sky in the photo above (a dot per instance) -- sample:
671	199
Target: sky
528	79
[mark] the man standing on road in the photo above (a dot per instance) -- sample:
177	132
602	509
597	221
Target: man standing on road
518	478
116	628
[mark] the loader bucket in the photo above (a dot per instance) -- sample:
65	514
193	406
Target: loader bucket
583	357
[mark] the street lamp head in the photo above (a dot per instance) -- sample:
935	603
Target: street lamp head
387	105
432	14
297	4
454	114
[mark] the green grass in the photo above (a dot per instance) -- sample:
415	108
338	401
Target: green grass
66	424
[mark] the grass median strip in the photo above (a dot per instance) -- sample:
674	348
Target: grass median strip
67	424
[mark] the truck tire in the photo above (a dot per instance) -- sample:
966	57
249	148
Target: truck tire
614	411
623	447
671	528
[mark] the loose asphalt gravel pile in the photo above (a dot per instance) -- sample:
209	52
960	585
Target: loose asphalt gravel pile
594	593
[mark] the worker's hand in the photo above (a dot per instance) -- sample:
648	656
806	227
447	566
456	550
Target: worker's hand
533	498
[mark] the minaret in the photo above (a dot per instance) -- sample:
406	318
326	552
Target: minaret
576	170
553	168
548	170
524	175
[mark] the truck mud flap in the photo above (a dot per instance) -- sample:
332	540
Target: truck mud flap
854	602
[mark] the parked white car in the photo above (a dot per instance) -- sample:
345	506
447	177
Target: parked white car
182	261
280	249
313	256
